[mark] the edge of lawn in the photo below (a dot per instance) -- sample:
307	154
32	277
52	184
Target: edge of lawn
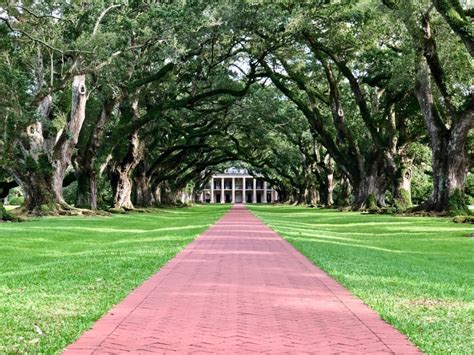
336	277
85	326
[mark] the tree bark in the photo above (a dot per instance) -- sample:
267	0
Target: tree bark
168	195
312	196
369	190
38	191
454	15
366	189
330	189
68	138
120	171
122	189
144	196
449	156
43	159
402	188
85	160
329	181
345	191
86	189
121	175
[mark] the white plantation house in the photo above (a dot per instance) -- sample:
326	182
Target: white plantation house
238	186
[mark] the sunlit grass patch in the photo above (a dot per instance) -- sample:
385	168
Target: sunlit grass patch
416	272
60	274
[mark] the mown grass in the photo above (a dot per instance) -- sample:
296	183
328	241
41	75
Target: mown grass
60	274
416	272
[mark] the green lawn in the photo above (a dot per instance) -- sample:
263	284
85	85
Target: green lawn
58	275
416	272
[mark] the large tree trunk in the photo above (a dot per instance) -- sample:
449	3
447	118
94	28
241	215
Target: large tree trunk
458	162
37	188
144	196
168	195
450	170
121	171
402	188
85	160
298	195
43	159
283	195
86	189
68	138
330	189
373	180
33	172
369	191
345	191
156	191
449	156
120	174
122	189
312	196
327	182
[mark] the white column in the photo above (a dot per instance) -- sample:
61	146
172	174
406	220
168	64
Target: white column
264	192
222	191
233	190
201	197
254	191
244	197
212	190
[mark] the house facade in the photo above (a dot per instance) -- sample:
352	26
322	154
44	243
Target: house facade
238	186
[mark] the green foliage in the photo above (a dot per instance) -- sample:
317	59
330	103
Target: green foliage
389	210
403	201
470	188
46	208
187	64
15	197
464	219
70	193
104	197
4	215
59	121
371	204
421	185
457	203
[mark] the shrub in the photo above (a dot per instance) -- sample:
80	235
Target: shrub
464	219
15	197
457	204
70	192
371	204
16	201
470	188
388	210
421	185
5	216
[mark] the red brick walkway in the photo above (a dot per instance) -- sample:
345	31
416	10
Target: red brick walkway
240	288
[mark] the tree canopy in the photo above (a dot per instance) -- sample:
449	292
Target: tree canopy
132	103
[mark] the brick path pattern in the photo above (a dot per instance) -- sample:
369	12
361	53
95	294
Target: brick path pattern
239	288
